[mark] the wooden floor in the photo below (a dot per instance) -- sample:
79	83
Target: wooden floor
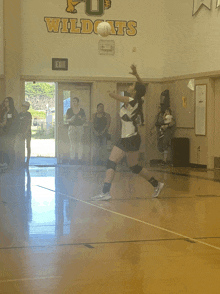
54	239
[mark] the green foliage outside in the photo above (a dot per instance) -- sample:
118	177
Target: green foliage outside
39	89
37	114
43	134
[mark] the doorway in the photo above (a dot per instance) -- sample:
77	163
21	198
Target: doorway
42	97
66	92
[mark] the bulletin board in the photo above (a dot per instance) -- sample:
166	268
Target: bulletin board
200	110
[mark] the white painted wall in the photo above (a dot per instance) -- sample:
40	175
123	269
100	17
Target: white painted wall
192	42
1	40
39	46
170	41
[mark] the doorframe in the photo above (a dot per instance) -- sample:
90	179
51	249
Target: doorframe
22	95
82	83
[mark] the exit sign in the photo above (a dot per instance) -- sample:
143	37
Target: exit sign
59	64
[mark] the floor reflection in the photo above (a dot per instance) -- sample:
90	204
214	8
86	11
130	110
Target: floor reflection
37	210
50	215
42	217
52	243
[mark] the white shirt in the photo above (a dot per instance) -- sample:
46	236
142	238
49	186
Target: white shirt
168	119
128	127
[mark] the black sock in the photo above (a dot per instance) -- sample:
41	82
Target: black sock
153	182
106	188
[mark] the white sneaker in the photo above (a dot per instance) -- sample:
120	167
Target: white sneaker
158	189
102	197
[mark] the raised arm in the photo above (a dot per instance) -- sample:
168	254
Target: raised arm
134	73
118	97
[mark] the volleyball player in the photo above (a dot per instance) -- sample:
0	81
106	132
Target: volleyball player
130	141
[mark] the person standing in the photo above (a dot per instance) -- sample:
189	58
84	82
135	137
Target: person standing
165	123
76	118
7	140
167	119
8	114
24	122
100	125
130	141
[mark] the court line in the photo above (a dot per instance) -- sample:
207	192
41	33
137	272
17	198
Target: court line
137	220
150	169
184	175
97	243
104	243
29	279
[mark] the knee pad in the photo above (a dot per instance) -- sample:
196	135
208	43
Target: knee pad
111	165
136	169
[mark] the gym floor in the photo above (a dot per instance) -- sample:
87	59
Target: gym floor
54	239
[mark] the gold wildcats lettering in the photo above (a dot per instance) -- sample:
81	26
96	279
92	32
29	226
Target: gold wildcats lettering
87	26
52	24
71	5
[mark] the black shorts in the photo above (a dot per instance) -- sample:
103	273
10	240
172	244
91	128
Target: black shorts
129	144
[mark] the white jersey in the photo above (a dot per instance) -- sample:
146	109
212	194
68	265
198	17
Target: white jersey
168	119
129	127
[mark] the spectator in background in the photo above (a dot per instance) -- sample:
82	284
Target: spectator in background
3	164
167	125
76	118
167	119
8	114
100	125
23	125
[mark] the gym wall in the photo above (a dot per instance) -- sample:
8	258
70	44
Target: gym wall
203	149
2	89
170	42
1	40
191	42
40	46
216	119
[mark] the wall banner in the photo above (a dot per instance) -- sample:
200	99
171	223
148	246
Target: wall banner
86	25
197	4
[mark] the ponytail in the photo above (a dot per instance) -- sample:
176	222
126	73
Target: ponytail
140	92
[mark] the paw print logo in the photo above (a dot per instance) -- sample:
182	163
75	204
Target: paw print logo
107	4
71	5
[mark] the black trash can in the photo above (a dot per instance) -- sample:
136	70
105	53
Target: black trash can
180	152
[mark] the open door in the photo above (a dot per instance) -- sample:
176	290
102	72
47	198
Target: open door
65	93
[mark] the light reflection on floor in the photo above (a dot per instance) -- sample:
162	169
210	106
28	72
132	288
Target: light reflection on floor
44	213
44	209
46	233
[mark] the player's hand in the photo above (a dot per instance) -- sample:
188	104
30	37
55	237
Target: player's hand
134	70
